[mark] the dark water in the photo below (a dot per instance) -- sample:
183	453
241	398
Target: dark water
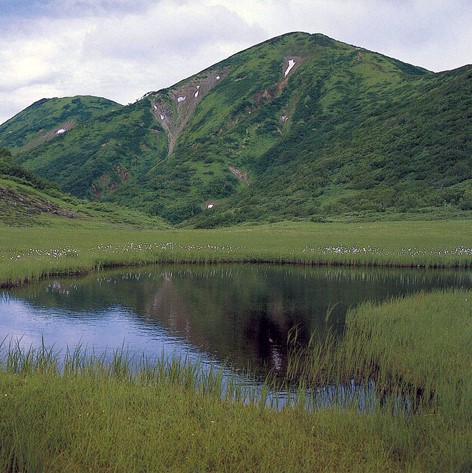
238	315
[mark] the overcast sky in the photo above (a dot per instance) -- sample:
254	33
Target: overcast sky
121	49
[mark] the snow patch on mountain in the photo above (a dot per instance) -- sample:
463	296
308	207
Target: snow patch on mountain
291	64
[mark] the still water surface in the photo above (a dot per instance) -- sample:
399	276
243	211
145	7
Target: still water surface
238	315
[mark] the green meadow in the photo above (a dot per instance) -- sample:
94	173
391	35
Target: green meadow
81	246
92	414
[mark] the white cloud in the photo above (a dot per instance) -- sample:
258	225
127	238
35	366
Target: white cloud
119	56
121	50
183	31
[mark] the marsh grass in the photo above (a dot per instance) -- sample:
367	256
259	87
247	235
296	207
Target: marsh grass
75	411
85	422
32	253
409	358
419	345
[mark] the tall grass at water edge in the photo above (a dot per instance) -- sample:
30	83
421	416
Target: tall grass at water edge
86	413
31	253
416	353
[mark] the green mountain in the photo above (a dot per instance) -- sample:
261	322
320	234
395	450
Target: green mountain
47	119
301	126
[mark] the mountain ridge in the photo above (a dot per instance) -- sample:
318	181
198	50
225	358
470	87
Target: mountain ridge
299	126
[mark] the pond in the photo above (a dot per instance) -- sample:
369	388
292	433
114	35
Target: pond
232	315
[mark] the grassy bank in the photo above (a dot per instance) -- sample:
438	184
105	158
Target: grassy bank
97	416
418	352
31	253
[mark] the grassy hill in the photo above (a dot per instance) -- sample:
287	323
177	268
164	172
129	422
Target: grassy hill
26	199
47	119
298	127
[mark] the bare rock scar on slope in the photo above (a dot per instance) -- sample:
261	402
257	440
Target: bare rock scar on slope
174	108
240	175
12	201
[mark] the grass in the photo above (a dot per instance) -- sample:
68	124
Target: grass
417	350
113	425
75	247
92	414
420	345
26	205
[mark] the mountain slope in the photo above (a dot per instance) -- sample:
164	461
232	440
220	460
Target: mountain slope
406	147
26	199
299	126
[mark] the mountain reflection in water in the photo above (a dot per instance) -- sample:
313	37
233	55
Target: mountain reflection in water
235	314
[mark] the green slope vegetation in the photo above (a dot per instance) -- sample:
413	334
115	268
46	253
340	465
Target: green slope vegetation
404	148
301	126
27	200
97	157
47	119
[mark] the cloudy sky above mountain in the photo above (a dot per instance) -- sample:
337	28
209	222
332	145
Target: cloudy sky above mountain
121	49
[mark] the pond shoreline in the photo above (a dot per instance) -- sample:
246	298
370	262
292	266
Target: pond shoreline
31	254
96	417
9	284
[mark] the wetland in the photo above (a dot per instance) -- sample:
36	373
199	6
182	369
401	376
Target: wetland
237	315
